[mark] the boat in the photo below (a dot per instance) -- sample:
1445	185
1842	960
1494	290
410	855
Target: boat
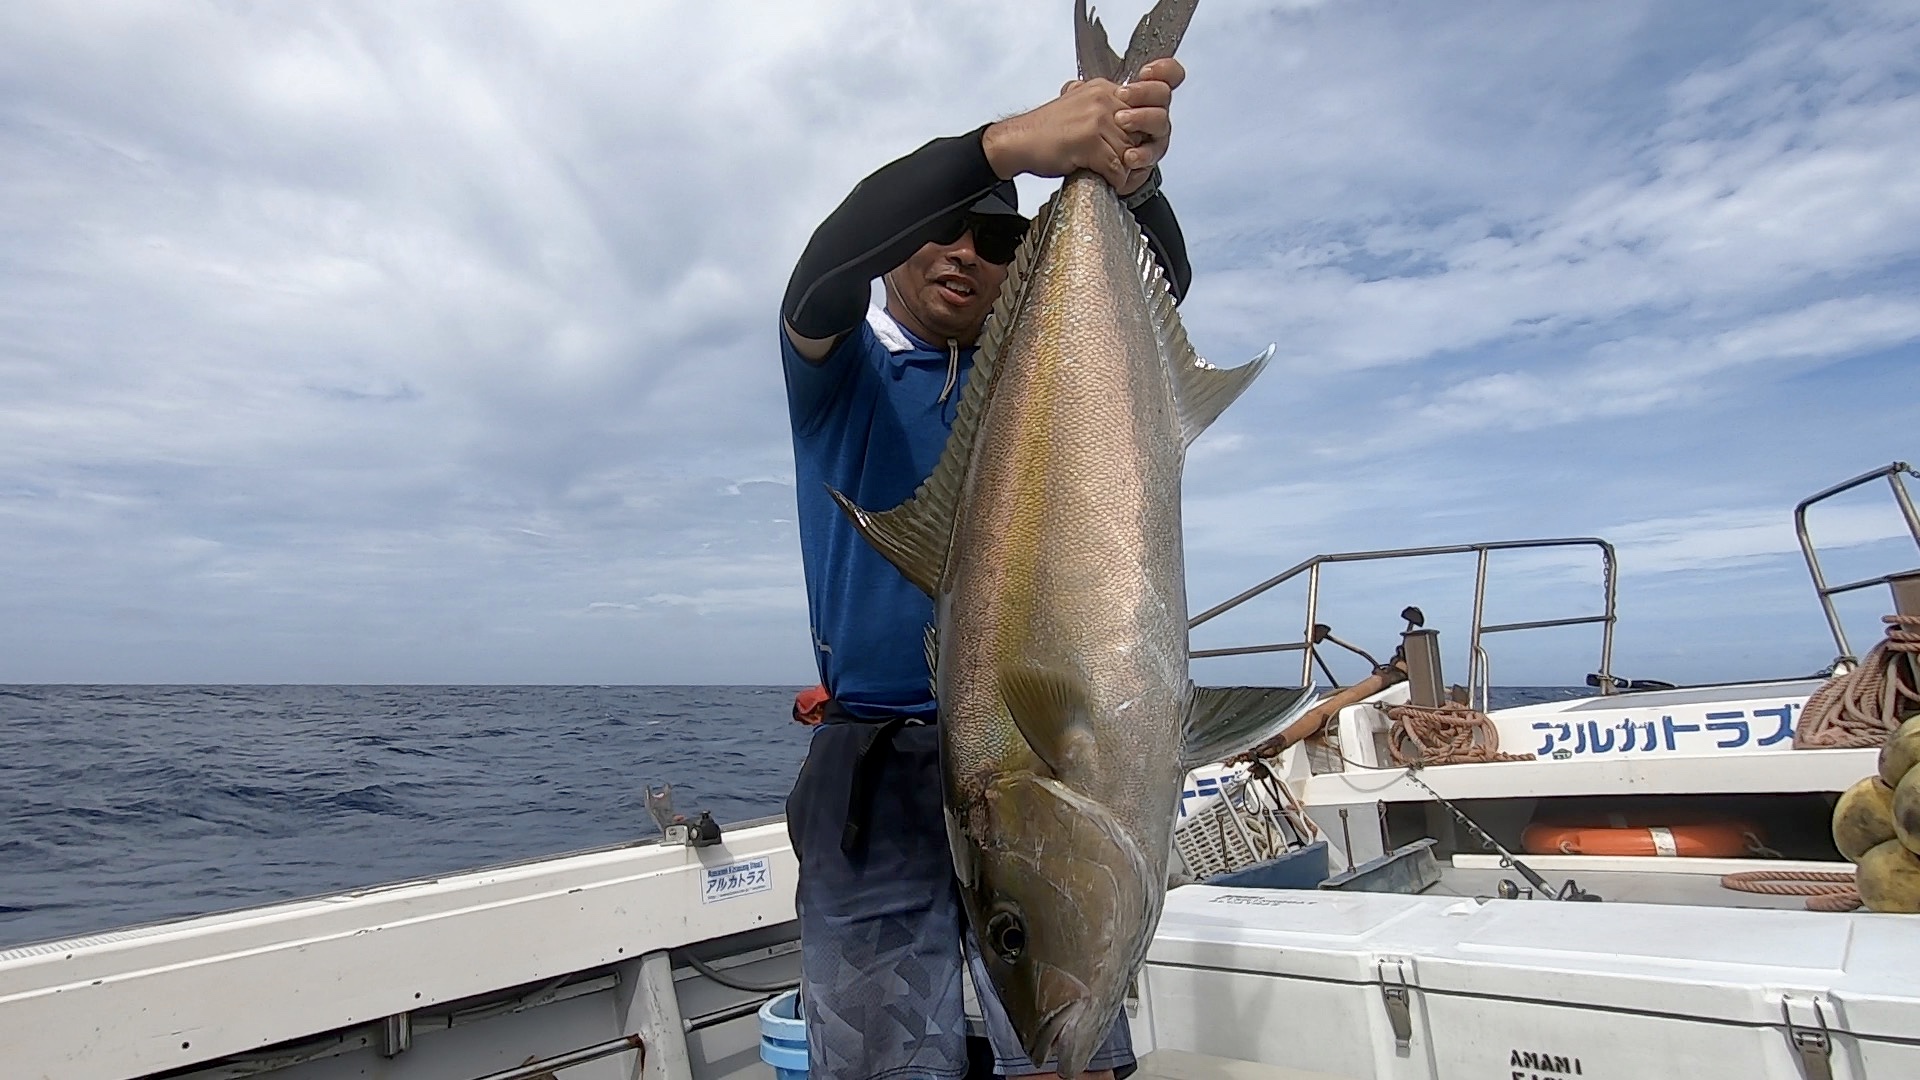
1640	776
1407	939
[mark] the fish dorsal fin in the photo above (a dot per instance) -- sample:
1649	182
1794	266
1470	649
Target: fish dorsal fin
1050	709
1226	720
1155	37
1201	391
915	535
931	643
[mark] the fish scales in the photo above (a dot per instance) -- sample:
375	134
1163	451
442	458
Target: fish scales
1073	526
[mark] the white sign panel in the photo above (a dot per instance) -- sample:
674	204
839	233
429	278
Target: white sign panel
1737	727
736	879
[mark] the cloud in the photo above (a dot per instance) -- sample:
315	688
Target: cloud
1768	172
1642	374
1712	539
436	342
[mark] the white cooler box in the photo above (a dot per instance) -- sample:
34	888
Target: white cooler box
1370	985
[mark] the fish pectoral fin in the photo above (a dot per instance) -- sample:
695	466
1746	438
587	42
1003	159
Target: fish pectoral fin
1205	391
913	536
1050	709
1226	720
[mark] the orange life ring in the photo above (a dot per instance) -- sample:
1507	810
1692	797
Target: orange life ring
1704	840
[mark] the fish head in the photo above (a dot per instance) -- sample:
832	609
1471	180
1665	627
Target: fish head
1061	902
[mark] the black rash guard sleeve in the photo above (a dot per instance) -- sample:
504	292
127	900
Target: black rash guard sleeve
903	205
1168	243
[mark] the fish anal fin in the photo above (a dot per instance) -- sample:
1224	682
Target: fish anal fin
1201	391
1226	720
1050	709
1204	391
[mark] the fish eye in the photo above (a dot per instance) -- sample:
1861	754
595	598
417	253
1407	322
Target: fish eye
1007	935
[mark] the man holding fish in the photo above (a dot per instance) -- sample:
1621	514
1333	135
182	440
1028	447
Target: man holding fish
873	394
989	520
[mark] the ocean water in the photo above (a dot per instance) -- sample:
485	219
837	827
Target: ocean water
122	805
128	804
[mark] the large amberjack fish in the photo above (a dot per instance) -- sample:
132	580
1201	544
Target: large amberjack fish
1049	537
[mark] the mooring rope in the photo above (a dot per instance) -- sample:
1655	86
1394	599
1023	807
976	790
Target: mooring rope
1825	890
1452	734
1866	705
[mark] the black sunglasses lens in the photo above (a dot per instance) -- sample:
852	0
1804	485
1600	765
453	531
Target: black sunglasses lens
949	232
997	241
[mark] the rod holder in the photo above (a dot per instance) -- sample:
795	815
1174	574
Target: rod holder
1906	593
1425	687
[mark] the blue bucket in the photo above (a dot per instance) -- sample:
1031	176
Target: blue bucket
783	1037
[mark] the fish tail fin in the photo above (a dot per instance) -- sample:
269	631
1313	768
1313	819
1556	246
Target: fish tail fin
1097	58
1096	55
1156	37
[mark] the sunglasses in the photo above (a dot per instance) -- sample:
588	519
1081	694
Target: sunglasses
995	236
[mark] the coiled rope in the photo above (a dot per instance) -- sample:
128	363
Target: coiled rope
1825	890
1452	734
1866	705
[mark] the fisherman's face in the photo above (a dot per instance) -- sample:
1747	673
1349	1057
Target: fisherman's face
944	291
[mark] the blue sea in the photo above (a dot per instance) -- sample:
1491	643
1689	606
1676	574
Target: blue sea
122	805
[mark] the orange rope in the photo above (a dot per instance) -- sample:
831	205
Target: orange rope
1866	705
1825	890
1449	735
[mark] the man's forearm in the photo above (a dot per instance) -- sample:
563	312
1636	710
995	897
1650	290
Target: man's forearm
890	214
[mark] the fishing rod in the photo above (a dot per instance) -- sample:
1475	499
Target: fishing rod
1570	891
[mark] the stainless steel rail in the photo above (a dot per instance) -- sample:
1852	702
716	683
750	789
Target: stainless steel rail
1479	676
1895	474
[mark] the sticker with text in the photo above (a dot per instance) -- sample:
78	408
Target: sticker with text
736	879
1534	1065
1254	900
1697	733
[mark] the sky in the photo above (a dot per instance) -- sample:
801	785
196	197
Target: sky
434	343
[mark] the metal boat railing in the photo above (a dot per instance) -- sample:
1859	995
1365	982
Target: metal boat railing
1479	675
1895	474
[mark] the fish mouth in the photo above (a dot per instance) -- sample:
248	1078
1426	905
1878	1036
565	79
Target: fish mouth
1065	1031
1052	1026
1071	1037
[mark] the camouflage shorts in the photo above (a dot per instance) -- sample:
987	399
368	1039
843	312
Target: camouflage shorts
883	939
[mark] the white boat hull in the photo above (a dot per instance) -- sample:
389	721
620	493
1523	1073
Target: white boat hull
590	948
